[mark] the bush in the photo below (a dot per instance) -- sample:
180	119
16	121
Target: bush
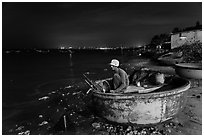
191	53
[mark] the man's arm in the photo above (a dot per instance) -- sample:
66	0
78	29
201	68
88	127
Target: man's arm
123	84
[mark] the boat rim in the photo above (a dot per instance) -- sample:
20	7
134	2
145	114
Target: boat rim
194	66
165	93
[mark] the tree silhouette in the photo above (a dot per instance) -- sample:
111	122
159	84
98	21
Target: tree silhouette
176	29
160	39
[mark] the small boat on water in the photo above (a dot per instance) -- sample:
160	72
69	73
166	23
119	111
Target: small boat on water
157	105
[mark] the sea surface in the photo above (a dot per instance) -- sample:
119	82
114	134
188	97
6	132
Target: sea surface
41	89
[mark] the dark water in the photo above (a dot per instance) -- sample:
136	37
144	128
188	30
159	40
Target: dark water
40	89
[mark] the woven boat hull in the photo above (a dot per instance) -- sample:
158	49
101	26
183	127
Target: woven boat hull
149	108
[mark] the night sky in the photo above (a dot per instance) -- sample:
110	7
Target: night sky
51	25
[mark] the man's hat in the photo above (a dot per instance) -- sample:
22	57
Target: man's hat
114	62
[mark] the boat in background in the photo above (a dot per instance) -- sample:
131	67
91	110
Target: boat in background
189	70
170	58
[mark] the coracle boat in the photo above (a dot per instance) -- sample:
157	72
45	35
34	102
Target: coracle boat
170	59
189	70
161	104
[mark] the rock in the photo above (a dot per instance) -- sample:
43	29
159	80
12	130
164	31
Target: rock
130	133
129	128
169	130
180	124
171	124
96	125
10	130
103	133
135	132
175	120
20	128
44	98
43	123
24	133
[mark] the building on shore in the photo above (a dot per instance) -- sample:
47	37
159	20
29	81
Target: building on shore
186	37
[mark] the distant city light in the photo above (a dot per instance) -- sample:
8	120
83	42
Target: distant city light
103	48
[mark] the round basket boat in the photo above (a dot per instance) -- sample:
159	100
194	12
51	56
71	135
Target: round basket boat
189	70
146	108
170	59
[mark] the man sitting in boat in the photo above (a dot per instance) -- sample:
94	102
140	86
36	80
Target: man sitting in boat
120	79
